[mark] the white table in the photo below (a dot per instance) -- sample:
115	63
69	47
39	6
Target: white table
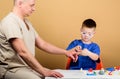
78	74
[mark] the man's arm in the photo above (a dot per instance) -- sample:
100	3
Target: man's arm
23	52
41	44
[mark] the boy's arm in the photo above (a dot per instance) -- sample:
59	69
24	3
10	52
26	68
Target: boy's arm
86	52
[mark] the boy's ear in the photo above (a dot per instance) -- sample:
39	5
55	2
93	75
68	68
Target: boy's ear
80	29
94	32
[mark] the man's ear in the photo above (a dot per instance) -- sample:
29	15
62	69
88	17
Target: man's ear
19	3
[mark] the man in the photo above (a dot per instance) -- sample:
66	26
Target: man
17	45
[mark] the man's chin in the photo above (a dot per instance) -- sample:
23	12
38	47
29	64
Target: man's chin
27	15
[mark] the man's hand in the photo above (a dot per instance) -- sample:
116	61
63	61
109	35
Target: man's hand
73	55
74	52
52	73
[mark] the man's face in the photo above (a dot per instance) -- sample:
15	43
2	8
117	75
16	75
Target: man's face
27	7
87	33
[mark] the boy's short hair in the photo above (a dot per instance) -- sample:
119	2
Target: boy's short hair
90	23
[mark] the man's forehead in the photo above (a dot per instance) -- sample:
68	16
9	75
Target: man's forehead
31	1
24	0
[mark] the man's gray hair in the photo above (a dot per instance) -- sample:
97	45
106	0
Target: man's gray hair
18	0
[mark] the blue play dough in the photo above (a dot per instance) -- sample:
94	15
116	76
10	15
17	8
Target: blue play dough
110	69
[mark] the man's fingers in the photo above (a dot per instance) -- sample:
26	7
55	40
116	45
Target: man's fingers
57	75
73	57
76	58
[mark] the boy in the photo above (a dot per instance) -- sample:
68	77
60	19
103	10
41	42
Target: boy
88	51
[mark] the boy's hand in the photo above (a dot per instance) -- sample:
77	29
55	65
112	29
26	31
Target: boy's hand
78	49
84	52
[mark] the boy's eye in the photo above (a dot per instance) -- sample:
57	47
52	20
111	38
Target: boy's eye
83	33
90	34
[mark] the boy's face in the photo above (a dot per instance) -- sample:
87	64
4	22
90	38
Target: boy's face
87	33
